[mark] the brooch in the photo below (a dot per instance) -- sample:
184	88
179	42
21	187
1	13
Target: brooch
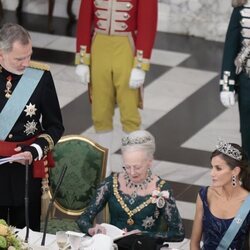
8	87
159	197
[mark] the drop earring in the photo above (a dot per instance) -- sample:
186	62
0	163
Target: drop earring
234	182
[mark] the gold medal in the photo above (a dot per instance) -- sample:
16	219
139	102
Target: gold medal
130	221
8	87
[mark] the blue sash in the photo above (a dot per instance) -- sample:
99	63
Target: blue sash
235	225
19	98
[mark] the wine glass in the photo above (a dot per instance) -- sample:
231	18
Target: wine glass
75	241
61	239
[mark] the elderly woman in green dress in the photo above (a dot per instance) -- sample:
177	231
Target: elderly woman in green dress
139	201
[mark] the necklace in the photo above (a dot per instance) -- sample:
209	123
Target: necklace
8	87
124	206
137	186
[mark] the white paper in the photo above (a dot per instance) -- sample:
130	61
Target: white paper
10	159
114	232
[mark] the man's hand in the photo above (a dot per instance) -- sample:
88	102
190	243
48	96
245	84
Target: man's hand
227	98
84	73
137	78
23	156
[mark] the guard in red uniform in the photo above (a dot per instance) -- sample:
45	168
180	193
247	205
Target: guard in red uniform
114	44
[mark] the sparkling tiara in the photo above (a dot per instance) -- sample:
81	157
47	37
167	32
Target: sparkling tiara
229	150
136	140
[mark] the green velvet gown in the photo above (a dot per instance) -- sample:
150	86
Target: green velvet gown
163	223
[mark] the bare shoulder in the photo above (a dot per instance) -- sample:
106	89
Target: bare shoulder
39	65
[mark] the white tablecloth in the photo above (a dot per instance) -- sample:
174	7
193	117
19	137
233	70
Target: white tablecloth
35	239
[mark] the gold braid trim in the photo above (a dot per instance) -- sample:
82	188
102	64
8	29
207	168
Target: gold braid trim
48	138
82	57
140	62
124	206
39	65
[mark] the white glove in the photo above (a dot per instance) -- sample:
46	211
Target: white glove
227	98
82	71
137	78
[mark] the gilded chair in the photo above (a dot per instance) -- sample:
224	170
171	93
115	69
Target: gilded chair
86	167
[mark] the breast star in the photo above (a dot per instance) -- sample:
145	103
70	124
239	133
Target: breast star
30	110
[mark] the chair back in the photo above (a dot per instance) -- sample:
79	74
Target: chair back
86	167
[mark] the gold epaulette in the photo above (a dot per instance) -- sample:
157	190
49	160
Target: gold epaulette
238	3
39	65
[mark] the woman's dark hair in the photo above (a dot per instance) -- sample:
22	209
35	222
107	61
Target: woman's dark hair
244	175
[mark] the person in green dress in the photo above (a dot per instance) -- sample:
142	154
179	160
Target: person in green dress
138	200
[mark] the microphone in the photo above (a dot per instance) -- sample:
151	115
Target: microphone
26	200
51	203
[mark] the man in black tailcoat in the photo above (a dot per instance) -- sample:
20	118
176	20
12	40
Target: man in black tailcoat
30	125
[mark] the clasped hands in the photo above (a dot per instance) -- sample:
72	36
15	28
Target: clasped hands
136	80
98	229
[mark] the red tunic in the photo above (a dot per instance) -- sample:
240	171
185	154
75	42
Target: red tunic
134	18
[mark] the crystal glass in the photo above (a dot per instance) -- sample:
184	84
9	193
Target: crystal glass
75	241
61	239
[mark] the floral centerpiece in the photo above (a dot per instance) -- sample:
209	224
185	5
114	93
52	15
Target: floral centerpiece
8	239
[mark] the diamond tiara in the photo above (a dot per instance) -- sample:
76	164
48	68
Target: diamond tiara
229	150
137	140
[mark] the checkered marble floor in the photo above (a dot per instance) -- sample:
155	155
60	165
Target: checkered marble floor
181	107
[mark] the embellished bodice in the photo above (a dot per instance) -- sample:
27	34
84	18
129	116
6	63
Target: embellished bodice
134	213
144	215
214	228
